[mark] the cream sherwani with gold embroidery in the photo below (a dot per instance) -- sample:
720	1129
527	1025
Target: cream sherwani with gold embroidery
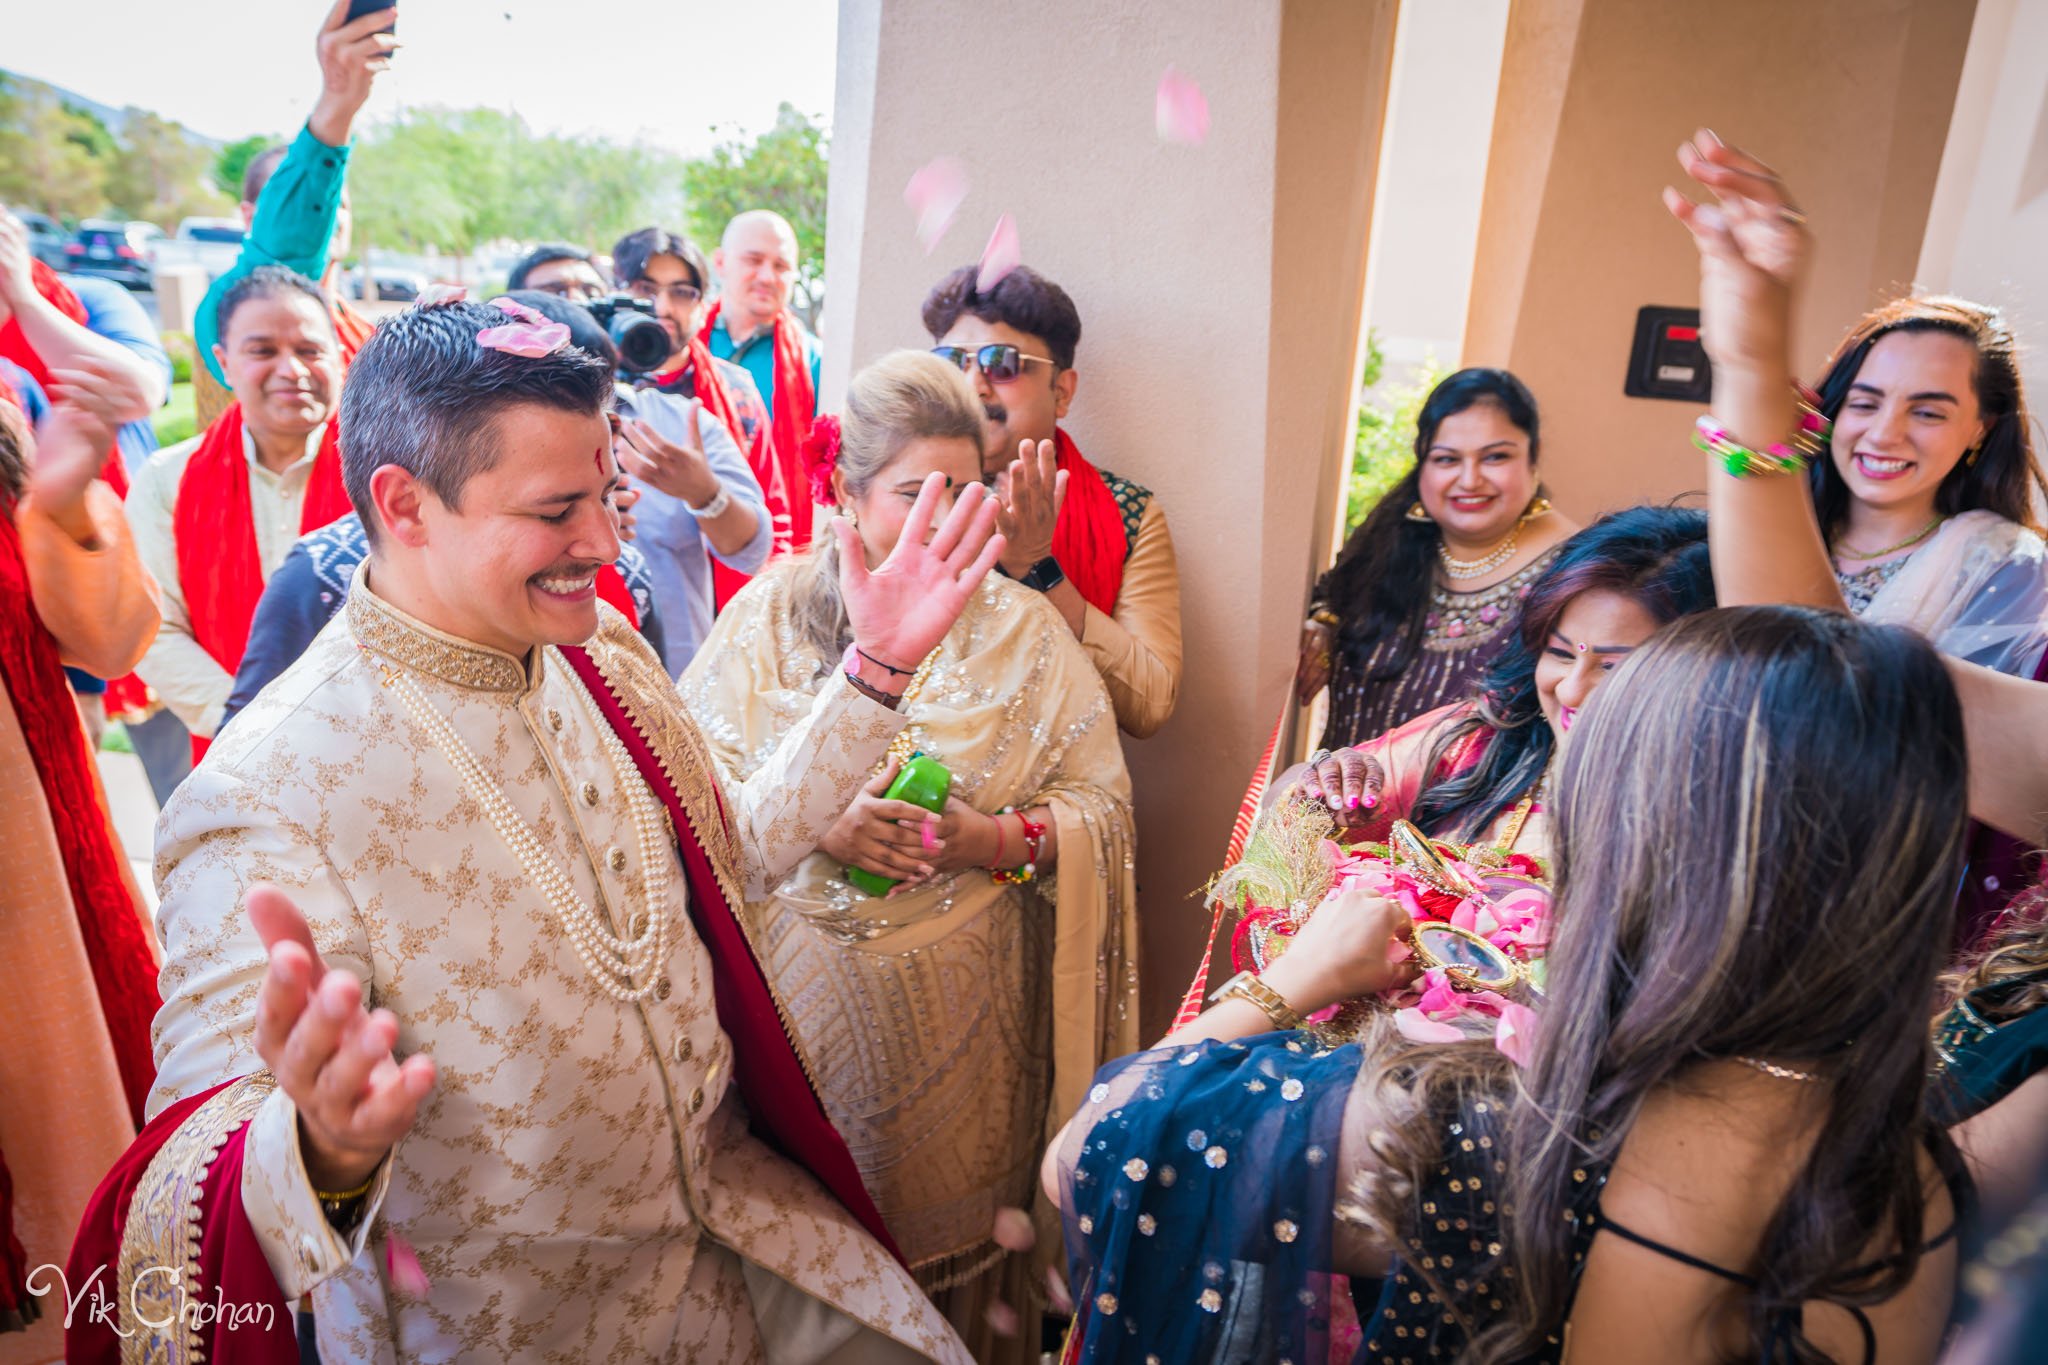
581	1184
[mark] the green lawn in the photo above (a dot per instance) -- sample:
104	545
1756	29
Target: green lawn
175	420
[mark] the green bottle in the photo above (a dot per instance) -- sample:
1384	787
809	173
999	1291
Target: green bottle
923	781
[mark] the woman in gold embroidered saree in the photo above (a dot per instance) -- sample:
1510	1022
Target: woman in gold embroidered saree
945	1023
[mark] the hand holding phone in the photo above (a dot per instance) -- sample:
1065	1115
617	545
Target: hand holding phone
355	44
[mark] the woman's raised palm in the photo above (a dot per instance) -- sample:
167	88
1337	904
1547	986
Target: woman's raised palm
903	607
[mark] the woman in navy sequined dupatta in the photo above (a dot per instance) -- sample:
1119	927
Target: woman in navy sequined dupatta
1715	1146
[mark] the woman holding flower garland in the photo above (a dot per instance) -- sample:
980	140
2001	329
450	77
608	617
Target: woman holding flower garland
948	1022
1719	1146
1426	591
1473	772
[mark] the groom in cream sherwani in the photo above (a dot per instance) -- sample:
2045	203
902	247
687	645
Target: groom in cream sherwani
453	964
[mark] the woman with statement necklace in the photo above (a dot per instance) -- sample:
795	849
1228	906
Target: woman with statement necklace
1427	590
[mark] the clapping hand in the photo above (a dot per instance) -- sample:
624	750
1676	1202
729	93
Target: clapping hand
904	606
331	1057
682	471
1033	488
1753	246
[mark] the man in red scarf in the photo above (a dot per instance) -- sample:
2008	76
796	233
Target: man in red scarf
490	1069
752	326
1094	543
213	516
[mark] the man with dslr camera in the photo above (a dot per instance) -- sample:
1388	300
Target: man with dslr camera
664	270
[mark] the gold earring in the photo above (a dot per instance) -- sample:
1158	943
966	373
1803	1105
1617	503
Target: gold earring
1971	458
1537	508
1419	513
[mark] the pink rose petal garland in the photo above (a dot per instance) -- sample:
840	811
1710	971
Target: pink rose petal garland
532	336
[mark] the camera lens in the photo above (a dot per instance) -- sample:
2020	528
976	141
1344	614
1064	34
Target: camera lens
643	343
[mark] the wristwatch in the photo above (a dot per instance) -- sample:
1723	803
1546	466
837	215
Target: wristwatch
1247	986
715	508
1044	576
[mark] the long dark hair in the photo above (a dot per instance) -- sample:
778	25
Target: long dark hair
1380	582
1655	555
1758	834
2004	478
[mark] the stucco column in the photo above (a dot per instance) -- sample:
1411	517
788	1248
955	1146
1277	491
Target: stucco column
1849	99
1219	288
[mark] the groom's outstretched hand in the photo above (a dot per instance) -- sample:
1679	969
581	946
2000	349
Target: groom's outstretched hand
329	1054
903	607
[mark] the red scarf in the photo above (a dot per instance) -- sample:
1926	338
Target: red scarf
214	528
351	329
695	359
14	346
1089	540
792	407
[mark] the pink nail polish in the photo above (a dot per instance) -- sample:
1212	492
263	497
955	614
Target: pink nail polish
1371	800
1353	802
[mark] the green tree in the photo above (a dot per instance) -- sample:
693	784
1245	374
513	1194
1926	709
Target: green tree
46	157
85	128
232	162
1383	447
783	169
161	172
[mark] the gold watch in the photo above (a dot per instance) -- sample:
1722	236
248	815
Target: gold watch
1247	986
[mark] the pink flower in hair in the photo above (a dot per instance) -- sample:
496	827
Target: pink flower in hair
533	336
821	456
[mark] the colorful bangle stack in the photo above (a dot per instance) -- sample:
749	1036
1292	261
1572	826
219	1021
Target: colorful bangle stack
1780	457
1034	838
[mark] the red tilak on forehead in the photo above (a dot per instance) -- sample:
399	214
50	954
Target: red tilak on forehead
597	458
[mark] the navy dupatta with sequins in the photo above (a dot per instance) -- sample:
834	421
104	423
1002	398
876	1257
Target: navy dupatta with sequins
1198	1190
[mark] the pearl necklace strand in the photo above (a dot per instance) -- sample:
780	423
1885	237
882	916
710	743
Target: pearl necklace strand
613	963
1455	567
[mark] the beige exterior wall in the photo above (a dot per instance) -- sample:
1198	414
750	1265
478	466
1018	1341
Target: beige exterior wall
1219	290
1595	96
1987	233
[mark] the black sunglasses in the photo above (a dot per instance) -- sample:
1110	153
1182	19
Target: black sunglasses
1002	364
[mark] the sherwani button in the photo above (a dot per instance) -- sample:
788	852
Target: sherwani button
637	925
554	720
615	858
589	793
696	1099
662	989
684	1049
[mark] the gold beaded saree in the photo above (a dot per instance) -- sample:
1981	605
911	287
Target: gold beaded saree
954	1027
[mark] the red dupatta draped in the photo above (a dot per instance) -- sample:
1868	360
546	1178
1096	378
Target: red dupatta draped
781	1101
696	359
792	408
1088	539
214	528
351	329
14	346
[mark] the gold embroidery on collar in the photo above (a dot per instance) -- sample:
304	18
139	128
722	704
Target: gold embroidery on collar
384	629
162	1230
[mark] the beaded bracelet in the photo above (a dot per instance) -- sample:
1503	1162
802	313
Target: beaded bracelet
1034	833
1780	457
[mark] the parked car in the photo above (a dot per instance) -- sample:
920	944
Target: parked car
393	285
211	244
111	251
46	239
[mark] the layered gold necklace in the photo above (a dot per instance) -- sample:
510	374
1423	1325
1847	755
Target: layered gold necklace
1458	569
1846	552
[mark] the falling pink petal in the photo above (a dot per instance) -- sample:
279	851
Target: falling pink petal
1418	1027
1000	256
935	194
1181	110
1003	1320
437	295
1515	1035
1014	1231
403	1264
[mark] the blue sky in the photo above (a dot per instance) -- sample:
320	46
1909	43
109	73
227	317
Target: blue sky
663	72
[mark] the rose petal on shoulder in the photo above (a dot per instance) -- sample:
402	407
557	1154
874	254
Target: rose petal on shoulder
1515	1034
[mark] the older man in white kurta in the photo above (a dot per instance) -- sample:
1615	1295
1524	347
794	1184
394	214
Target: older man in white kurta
581	1184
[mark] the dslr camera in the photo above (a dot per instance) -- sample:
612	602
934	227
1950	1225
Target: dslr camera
642	341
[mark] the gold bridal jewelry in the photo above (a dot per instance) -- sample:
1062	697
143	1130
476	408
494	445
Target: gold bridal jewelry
614	963
1845	552
1455	568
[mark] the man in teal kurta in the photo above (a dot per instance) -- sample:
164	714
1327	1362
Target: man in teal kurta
293	198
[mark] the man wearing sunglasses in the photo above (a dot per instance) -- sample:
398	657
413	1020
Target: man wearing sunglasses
1095	544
